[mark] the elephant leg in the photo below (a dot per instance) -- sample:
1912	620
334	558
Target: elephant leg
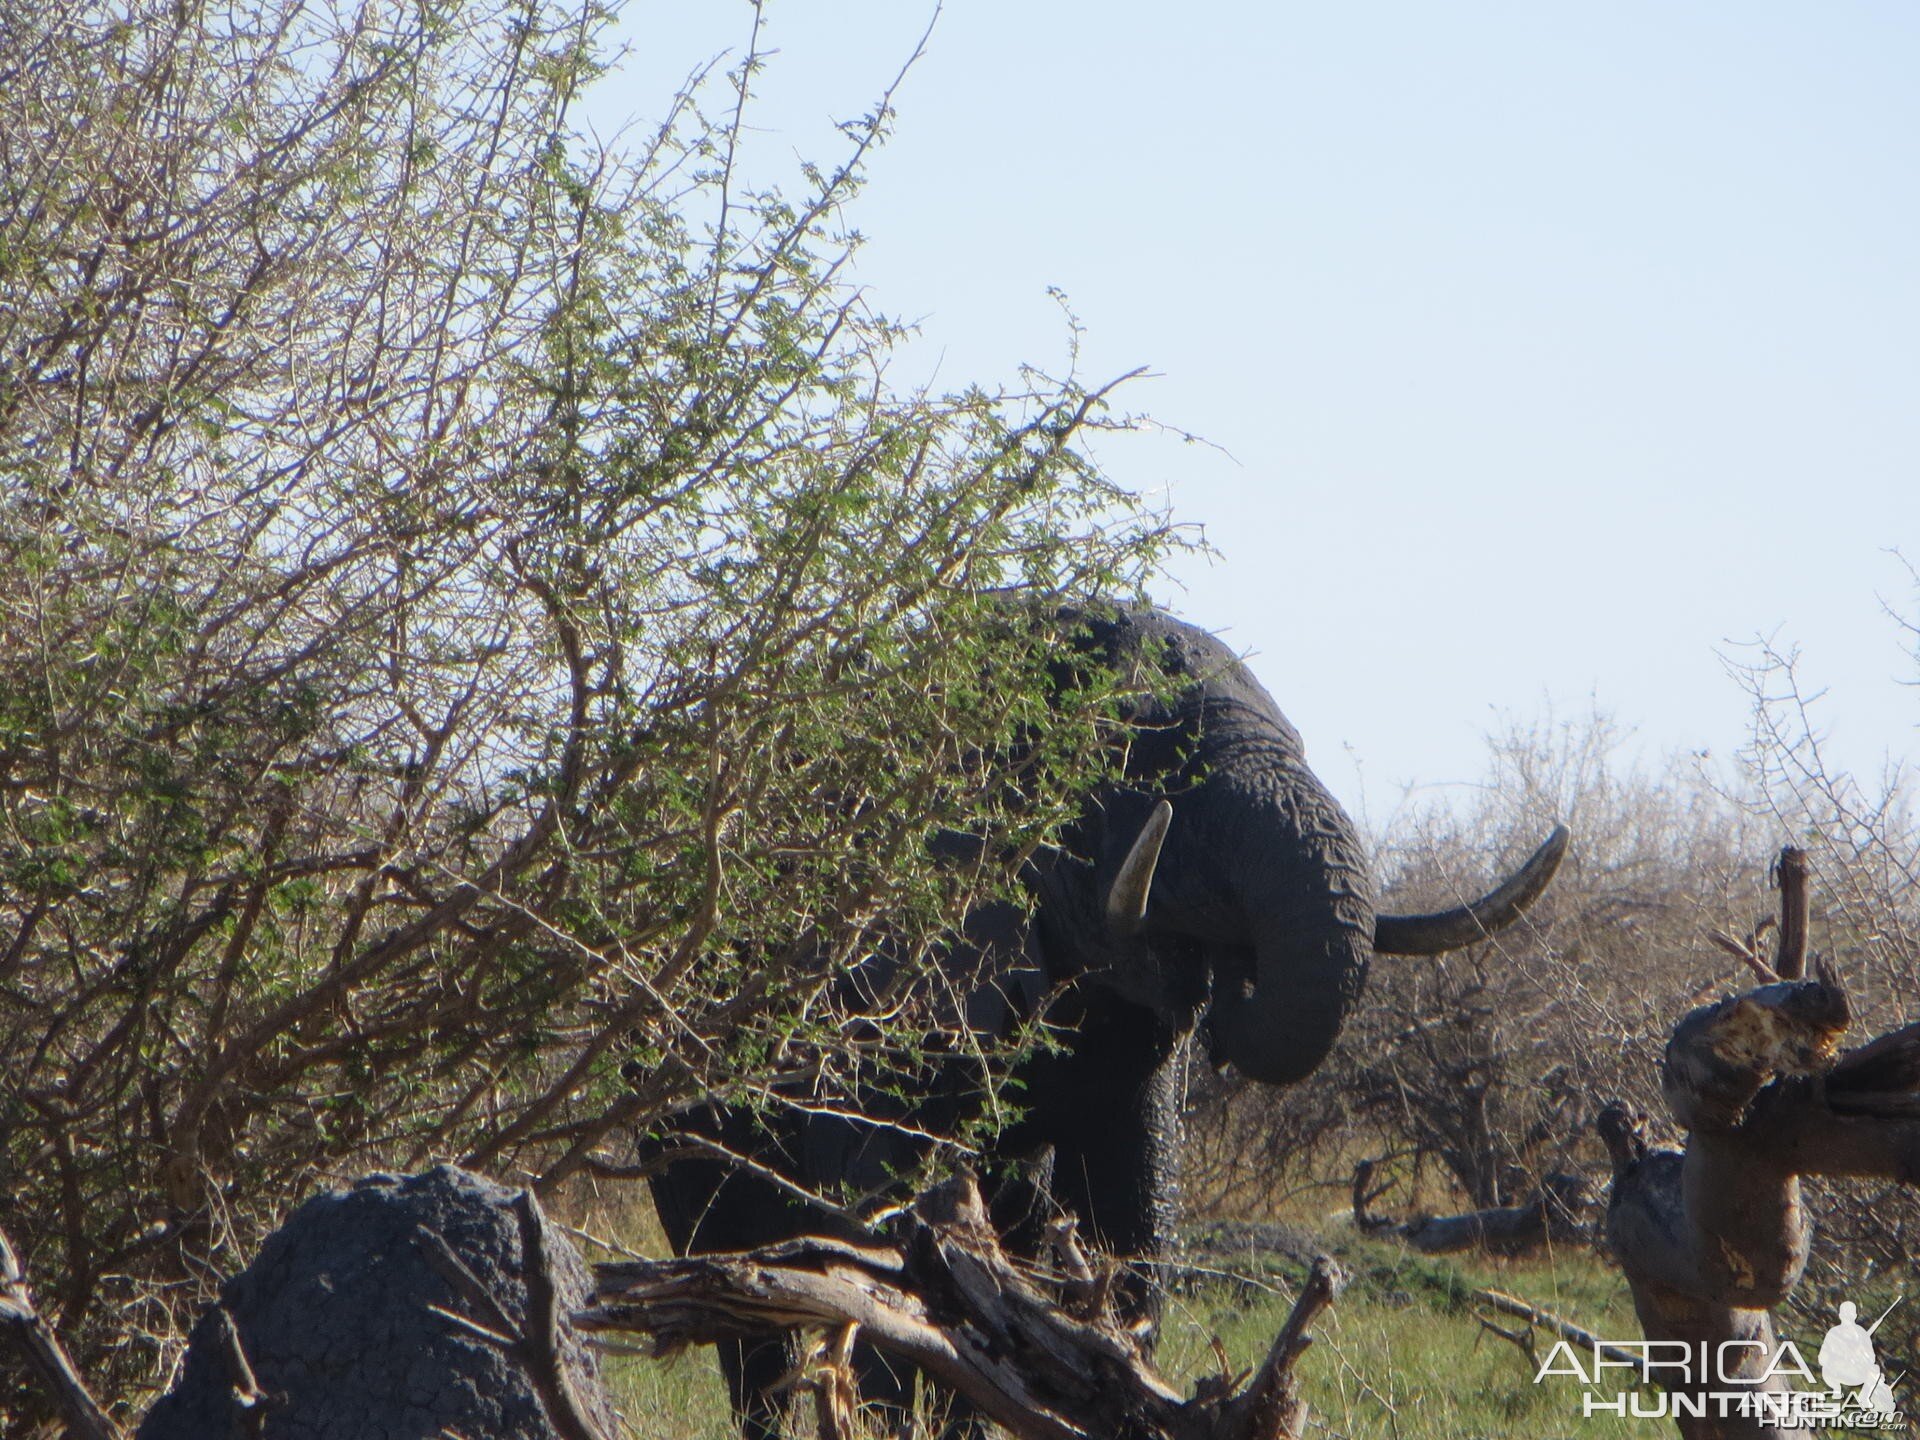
1109	1106
754	1370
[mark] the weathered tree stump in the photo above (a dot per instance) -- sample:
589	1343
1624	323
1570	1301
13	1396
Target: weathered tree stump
425	1306
1713	1236
939	1292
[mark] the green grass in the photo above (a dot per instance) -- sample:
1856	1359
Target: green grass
1400	1357
677	1399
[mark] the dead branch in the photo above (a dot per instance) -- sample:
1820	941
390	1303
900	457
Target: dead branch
45	1357
1790	872
1365	1192
1747	952
1513	1305
1714	1236
944	1297
250	1402
1521	1339
1270	1407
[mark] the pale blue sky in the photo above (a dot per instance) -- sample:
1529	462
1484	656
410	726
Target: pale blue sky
1555	346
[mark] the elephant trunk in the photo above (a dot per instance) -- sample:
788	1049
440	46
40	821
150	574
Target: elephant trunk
1278	1025
1308	920
1310	954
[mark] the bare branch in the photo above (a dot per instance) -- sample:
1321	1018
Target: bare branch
45	1357
1513	1305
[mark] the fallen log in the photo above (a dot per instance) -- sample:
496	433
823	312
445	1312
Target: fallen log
941	1294
1552	1214
1498	1230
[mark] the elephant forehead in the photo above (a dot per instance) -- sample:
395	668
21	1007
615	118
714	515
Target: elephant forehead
1207	668
1253	805
1220	692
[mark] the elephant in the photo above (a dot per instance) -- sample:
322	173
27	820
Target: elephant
1215	890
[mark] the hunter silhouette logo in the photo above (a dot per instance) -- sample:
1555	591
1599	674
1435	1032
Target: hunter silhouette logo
1847	1361
1721	1381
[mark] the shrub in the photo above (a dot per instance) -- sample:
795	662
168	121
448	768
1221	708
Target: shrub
483	647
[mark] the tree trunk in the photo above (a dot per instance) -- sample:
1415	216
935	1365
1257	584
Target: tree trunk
1713	1236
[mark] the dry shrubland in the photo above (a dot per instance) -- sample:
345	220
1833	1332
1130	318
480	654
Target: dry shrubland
1474	1075
474	614
1470	1079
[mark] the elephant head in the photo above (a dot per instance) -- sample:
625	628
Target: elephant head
1246	904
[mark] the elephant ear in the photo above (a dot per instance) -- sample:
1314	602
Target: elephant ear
1127	897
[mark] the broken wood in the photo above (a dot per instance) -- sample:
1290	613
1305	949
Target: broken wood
1365	1192
1790	874
939	1292
1713	1236
1551	1214
45	1357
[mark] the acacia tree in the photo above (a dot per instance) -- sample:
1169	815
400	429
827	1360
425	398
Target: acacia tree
484	649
